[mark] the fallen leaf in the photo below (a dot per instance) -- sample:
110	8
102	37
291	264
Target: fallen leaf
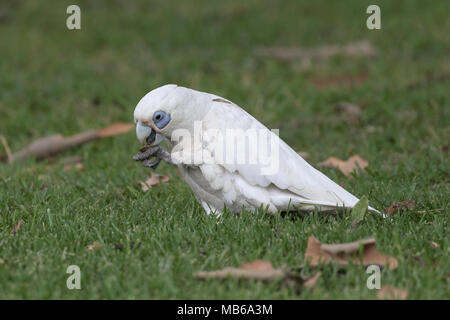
360	209
303	154
345	80
360	48
153	180
94	245
7	149
2	261
17	227
77	166
318	253
71	160
351	112
429	211
257	265
311	282
391	293
397	206
53	144
434	245
254	270
346	167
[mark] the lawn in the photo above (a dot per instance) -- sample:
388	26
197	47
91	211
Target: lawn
53	80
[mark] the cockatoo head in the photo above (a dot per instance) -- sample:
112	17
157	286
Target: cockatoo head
166	109
156	114
153	115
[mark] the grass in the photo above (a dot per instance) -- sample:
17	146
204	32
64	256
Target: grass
53	80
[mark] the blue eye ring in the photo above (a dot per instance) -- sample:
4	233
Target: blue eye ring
161	119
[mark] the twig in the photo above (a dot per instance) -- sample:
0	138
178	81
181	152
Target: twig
53	144
7	149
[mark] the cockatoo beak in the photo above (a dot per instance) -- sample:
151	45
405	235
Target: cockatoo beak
147	135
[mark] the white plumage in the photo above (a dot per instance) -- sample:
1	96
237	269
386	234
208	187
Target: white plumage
232	183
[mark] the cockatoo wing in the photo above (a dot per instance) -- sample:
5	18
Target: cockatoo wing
294	184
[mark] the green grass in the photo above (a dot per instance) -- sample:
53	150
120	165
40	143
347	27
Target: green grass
53	80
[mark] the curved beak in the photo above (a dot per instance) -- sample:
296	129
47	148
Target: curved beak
146	135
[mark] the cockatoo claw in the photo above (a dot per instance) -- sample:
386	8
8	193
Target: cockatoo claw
146	153
151	164
157	152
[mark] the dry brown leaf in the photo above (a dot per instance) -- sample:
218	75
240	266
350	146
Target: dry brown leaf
303	154
429	211
391	293
7	149
346	167
258	270
351	112
254	270
311	282
345	80
71	160
318	253
397	206
17	227
53	144
257	265
93	245
434	245
153	180
360	48
77	166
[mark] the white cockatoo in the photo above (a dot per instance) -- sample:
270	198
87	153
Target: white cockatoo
228	158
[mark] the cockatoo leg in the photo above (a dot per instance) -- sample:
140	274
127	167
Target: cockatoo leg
211	210
163	154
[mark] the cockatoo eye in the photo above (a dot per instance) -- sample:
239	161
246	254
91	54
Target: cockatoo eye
161	119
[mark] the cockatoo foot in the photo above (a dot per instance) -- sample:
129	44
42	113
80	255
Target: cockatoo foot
156	152
151	164
146	153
